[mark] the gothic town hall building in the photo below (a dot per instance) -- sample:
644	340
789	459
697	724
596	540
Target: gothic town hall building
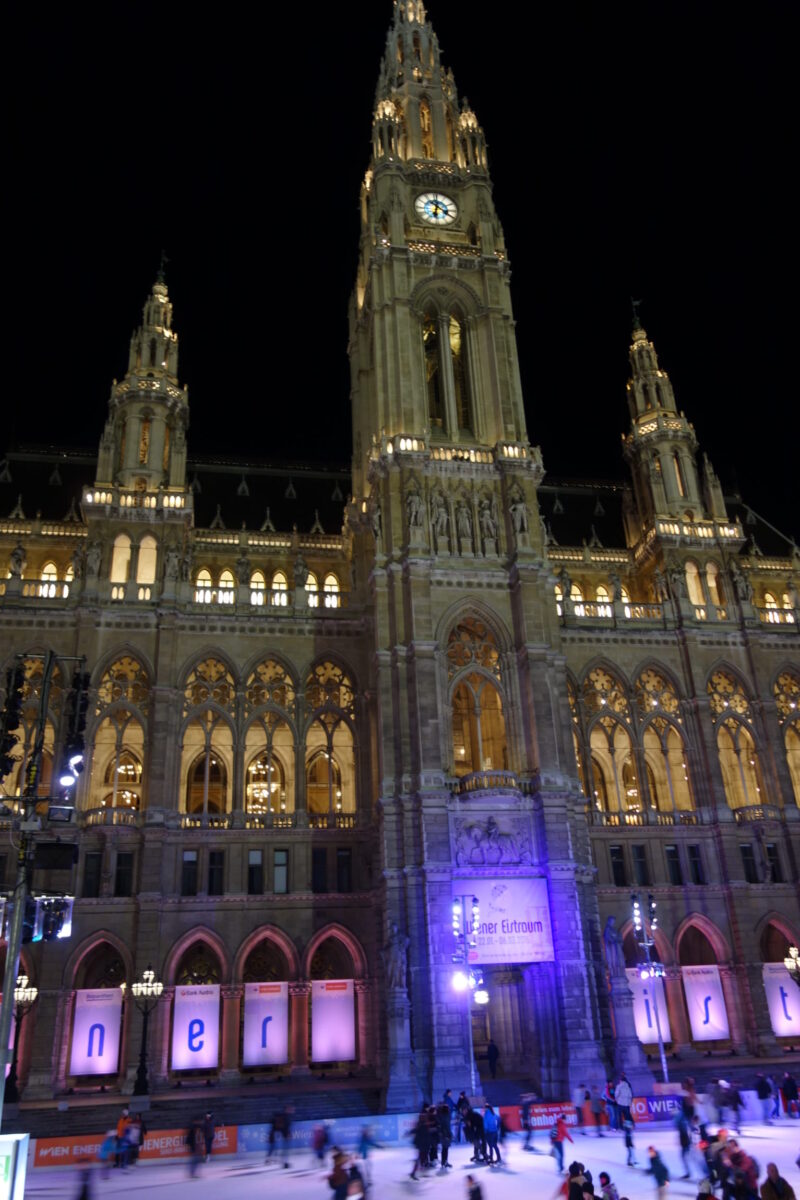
325	707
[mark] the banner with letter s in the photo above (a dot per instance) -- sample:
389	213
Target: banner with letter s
266	1024
646	994
95	1032
705	1001
783	999
195	1028
333	1020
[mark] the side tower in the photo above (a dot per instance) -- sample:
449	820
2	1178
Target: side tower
478	788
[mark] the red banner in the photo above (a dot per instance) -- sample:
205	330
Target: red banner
158	1144
542	1116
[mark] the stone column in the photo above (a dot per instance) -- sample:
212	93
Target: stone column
736	1024
402	1095
448	379
678	1022
159	1031
231	1008
629	1058
299	994
363	990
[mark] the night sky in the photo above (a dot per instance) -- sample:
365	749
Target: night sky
636	149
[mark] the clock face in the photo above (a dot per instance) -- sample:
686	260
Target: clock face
435	208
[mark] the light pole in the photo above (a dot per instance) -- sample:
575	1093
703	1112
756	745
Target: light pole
652	968
792	964
24	999
468	978
146	994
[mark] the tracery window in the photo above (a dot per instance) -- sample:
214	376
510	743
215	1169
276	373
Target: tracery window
576	735
714	585
472	643
206	770
654	691
738	756
460	376
126	679
199	965
426	128
328	685
616	783
694	585
117	774
330	591
270	683
787	705
210	681
330	750
479	735
280	590
433	377
726	695
602	690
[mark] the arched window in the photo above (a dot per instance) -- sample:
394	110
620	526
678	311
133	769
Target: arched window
198	966
667	767
330	750
654	692
206	781
120	559
769	600
227	588
144	431
479	734
28	730
616	783
203	587
265	963
425	124
559	597
280	590
604	608
576	596
680	481
209	681
604	691
738	756
312	590
258	586
714	585
330	590
694	585
101	968
787	705
695	950
147	563
433	374
265	789
270	683
458	356
48	585
117	774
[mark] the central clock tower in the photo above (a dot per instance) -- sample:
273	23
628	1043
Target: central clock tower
449	542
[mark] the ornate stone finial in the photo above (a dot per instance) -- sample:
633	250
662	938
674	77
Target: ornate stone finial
637	321
161	275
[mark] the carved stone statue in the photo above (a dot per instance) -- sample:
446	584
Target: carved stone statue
186	566
616	585
78	562
488	523
17	561
659	586
300	572
677	583
566	583
613	943
741	584
395	957
440	518
171	563
243	569
414	509
519	512
463	520
376	521
94	557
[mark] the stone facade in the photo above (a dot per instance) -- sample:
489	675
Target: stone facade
455	685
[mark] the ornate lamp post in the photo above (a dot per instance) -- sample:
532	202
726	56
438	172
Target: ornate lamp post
24	999
468	978
792	964
651	968
146	994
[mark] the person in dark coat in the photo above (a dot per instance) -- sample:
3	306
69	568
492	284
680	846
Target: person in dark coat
208	1130
493	1055
445	1134
422	1143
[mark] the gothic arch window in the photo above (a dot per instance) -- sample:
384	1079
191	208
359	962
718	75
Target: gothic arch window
330	748
616	783
472	643
604	608
576	596
425	122
147	561
433	374
694	584
102	967
604	691
680	481
120	559
199	965
655	692
270	684
479	734
266	963
331	960
126	680
312	590
738	755
695	950
714	585
210	681
207	775
270	740
667	767
559	595
48	581
203	586
258	586
774	944
227	588
280	590
27	733
118	754
265	786
787	706
458	357
330	590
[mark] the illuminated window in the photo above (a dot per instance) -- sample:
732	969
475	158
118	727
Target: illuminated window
604	608
117	757
323	783
667	767
266	784
330	751
559	597
227	588
679	477
576	596
330	589
694	585
202	587
257	588
312	590
769	600
714	584
48	586
120	559
787	704
280	590
206	784
433	375
479	732
426	128
147	561
738	760
144	441
460	377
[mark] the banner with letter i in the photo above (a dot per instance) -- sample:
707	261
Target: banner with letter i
195	1028
646	994
95	1032
705	1001
266	1024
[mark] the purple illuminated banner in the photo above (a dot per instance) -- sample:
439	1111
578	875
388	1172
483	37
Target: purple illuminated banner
266	1024
646	993
333	1020
195	1028
783	998
514	919
705	1001
95	1032
10	1035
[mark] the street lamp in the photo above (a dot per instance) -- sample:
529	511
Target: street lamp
468	979
146	994
651	968
792	964
24	999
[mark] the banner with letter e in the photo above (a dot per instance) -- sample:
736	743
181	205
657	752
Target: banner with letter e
266	1024
95	1032
705	1001
195	1028
783	999
333	1020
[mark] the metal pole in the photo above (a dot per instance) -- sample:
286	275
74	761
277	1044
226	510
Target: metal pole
11	1089
646	944
141	1088
21	885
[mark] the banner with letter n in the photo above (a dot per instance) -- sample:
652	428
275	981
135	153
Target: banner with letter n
195	1028
647	993
95	1032
333	1020
705	1001
266	1024
783	999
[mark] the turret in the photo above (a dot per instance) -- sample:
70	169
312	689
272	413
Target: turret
143	447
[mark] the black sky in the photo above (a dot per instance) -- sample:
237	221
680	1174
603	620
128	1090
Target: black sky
643	149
